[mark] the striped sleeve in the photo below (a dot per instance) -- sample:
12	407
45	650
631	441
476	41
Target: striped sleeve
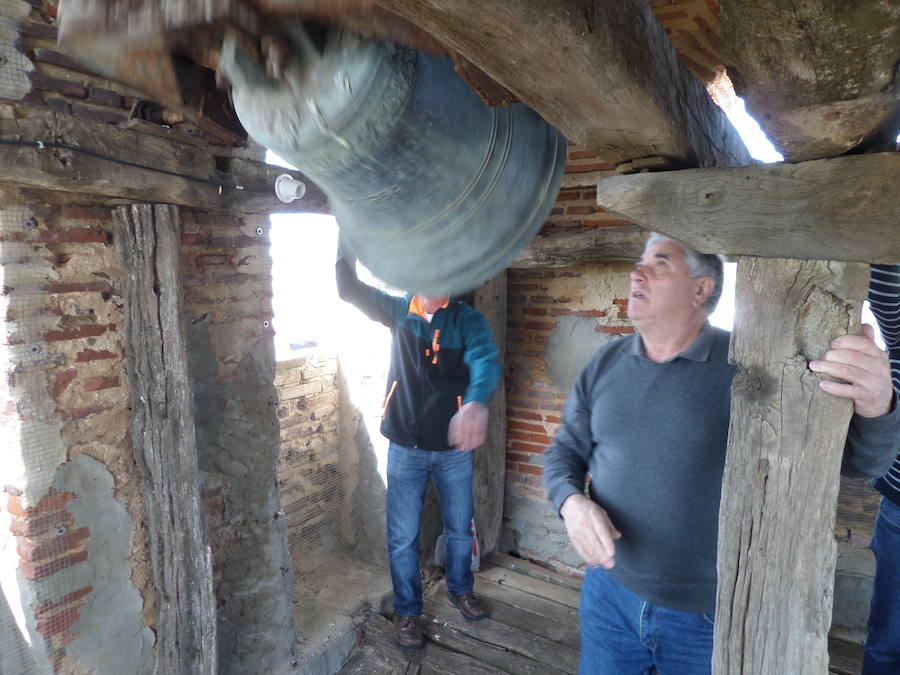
884	301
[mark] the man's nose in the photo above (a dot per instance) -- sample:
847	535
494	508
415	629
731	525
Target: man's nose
638	273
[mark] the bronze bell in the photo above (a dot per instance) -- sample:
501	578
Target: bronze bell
434	191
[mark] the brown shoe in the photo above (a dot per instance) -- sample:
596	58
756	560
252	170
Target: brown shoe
408	633
469	606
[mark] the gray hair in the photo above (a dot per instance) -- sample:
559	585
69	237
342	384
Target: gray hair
699	265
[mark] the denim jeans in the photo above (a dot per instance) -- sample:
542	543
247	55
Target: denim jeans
408	472
623	635
883	645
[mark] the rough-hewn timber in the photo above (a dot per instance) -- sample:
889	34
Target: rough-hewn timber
46	150
162	427
624	95
490	459
582	247
777	553
830	209
826	81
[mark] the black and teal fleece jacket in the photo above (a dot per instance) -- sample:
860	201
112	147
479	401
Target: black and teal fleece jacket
435	367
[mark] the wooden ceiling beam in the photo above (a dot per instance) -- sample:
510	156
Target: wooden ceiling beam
47	151
820	77
844	208
584	246
603	72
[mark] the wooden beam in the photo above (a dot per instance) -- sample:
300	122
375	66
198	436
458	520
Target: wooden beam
826	82
162	428
45	150
776	554
830	209
582	247
602	72
490	460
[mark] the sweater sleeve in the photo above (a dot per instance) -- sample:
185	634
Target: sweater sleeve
375	304
567	458
480	357
874	444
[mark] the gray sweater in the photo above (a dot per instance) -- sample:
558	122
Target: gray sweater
653	438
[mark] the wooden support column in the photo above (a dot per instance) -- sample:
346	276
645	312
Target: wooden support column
163	437
777	553
490	460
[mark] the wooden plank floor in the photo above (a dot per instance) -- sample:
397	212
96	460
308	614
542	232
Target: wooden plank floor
532	628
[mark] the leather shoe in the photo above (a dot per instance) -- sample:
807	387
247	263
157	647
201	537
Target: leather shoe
469	606
408	633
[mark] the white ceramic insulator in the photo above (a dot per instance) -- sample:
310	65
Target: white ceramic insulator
287	189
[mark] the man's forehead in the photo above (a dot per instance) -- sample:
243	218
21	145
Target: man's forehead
668	250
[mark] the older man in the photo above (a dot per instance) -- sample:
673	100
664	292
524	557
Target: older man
648	420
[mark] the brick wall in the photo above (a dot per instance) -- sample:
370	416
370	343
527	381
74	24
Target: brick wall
65	402
556	319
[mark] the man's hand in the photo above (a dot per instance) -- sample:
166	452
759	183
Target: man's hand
468	427
592	533
865	369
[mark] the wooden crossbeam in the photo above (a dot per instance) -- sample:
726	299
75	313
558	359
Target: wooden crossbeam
582	247
831	209
48	151
603	72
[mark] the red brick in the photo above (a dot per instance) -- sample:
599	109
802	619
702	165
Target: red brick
52	502
67	599
669	15
39	571
587	313
524	414
62	60
584	168
533	448
84	212
102	96
581	154
34	552
529	468
534	311
221	219
540	325
104	115
99	382
525	426
92	330
614	330
58	623
34	526
79	287
93	355
64	87
62	380
37	29
580	210
516	457
568	195
87	411
539	439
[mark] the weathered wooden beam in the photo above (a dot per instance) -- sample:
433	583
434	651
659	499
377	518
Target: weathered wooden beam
602	72
165	448
44	150
826	82
777	554
830	209
583	247
490	460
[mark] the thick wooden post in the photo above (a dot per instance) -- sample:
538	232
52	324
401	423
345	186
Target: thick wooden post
777	554
163	437
490	460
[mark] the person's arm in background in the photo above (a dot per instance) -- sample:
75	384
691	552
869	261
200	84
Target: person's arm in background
873	441
566	464
377	305
468	427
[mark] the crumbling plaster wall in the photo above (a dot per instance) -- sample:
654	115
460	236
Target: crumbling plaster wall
73	535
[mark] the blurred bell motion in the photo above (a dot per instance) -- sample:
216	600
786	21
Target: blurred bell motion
433	191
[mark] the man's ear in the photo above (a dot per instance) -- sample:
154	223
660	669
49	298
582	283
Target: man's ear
703	290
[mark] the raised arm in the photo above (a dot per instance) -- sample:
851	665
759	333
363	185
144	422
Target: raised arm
375	304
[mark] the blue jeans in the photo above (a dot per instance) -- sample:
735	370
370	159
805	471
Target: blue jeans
408	472
883	645
623	635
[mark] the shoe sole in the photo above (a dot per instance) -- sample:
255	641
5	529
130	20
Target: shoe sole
420	645
479	617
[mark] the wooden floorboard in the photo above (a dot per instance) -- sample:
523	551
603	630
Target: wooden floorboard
532	629
530	569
